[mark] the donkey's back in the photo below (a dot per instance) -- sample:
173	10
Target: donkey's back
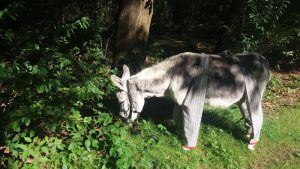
226	77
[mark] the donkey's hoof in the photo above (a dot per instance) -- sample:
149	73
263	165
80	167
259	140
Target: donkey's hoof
252	144
251	147
188	148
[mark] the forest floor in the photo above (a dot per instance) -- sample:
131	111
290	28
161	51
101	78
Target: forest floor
221	142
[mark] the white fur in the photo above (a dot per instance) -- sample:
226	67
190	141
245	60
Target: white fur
220	102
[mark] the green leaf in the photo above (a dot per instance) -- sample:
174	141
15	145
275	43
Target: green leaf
35	139
43	159
41	88
2	65
28	139
36	47
95	143
9	35
21	146
60	147
65	166
35	69
42	142
16	138
45	149
16	126
24	155
123	134
31	133
87	144
64	160
27	121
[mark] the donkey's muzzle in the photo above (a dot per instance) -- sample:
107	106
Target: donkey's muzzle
125	120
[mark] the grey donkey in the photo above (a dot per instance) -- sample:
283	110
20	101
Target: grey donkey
192	80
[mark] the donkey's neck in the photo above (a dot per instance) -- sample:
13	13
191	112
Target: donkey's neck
155	80
151	83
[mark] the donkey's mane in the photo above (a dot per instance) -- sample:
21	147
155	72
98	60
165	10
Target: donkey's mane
163	67
161	73
159	68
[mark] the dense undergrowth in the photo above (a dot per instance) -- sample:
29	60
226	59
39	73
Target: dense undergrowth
53	84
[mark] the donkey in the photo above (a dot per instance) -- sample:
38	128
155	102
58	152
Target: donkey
193	79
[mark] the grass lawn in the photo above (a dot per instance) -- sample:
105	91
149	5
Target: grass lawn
221	142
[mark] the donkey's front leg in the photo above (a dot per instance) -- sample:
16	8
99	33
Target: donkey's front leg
192	106
191	124
192	109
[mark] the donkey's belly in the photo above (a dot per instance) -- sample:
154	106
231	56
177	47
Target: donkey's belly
225	84
221	102
224	95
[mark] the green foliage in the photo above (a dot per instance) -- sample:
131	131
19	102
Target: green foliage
149	141
295	82
272	27
12	11
53	83
264	15
69	29
218	151
273	85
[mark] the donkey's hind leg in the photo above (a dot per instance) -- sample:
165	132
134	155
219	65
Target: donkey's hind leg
257	121
247	119
253	101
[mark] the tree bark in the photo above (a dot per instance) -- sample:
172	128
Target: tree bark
132	30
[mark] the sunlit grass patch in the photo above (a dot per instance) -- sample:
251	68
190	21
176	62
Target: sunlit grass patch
221	142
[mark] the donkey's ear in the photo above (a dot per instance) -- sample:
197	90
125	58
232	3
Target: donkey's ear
118	82
126	73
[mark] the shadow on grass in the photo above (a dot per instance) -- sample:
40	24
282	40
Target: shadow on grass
155	109
159	110
220	119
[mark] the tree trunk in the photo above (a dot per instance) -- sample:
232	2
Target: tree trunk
132	30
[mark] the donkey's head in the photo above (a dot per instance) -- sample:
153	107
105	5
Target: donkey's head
130	99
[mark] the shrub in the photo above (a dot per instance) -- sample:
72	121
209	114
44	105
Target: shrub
53	83
272	28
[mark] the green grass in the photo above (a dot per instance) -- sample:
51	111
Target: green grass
221	142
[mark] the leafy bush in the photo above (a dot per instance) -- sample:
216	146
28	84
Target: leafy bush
53	83
272	28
